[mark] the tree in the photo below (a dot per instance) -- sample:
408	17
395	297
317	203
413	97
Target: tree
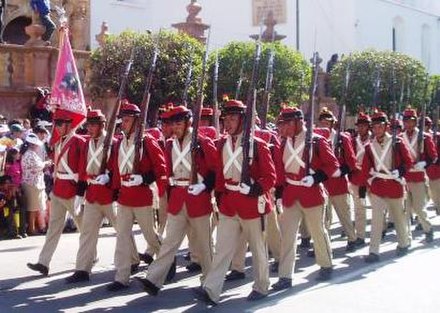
291	73
373	84
175	51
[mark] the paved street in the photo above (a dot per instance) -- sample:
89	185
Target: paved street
408	284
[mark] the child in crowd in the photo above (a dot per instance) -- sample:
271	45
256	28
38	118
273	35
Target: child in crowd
12	210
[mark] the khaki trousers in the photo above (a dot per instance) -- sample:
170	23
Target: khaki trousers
416	203
434	187
176	230
341	203
273	237
57	219
94	213
229	230
88	239
289	224
303	231
125	219
360	212
396	210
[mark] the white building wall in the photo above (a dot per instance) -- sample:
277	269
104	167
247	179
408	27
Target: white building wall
328	26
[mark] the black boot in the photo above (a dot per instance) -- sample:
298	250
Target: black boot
235	275
77	277
44	270
193	267
149	287
305	243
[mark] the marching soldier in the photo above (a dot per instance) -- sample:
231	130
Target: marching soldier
207	122
99	198
337	187
207	130
423	155
238	205
135	196
273	235
68	189
357	187
302	196
383	167
189	204
161	213
433	173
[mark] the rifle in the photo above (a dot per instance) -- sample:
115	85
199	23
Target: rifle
436	114
111	128
215	96
339	150
140	127
267	88
394	116
240	80
247	141
308	150
196	115
188	79
420	135
376	86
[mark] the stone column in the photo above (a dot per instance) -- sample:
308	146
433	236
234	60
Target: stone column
35	31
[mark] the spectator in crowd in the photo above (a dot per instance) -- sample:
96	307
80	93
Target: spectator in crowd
12	210
332	62
42	8
330	65
16	133
13	166
2	159
3	120
33	181
40	110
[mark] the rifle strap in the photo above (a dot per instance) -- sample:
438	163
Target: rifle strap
412	144
233	156
294	154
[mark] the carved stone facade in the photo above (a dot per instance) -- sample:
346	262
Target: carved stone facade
193	25
26	61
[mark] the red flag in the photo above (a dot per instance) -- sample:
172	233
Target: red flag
67	95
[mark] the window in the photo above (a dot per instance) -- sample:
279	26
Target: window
398	34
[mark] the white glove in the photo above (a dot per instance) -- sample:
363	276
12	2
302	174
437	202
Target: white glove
245	189
77	205
135	180
395	174
420	165
279	205
307	181
102	179
196	189
336	174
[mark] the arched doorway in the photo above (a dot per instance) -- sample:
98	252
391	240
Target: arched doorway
14	31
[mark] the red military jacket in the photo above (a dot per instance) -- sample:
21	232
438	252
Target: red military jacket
386	188
206	162
359	151
339	185
152	164
433	170
323	161
67	157
208	131
101	194
429	155
274	146
262	172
